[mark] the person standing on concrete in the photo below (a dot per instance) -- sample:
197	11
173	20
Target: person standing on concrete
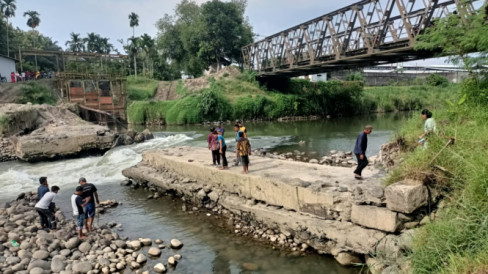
77	204
243	148
237	130
223	149
43	188
213	146
42	207
360	151
89	190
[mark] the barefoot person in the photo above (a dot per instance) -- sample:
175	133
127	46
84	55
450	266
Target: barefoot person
223	149
78	204
360	151
89	190
42	207
243	148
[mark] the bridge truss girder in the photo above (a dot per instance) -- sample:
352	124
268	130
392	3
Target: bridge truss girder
369	32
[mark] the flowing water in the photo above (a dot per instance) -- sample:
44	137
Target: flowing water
208	247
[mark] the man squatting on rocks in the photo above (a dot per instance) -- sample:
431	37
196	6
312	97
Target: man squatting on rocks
43	208
88	191
360	151
77	203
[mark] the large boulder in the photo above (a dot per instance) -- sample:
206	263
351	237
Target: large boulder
375	217
406	196
147	134
347	259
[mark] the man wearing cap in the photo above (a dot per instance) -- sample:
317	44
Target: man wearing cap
77	204
360	151
43	188
89	190
42	207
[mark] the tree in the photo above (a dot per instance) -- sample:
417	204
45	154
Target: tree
8	8
147	45
133	22
200	36
33	21
76	44
91	42
134	47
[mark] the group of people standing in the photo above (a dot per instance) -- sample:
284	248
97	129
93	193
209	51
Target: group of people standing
218	147
25	76
362	141
82	201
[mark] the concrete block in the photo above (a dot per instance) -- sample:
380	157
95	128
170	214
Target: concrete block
375	217
406	196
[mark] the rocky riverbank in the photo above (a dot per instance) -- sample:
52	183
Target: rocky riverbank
43	132
26	248
298	206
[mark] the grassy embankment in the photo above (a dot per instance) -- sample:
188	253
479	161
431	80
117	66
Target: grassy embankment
241	97
457	241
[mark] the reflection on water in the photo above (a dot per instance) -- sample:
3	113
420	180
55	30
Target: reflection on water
208	248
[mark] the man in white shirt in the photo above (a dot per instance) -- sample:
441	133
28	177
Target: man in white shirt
42	207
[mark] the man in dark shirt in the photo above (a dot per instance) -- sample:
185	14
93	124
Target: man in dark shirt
89	190
43	188
360	151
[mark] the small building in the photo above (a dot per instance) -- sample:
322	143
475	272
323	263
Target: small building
7	66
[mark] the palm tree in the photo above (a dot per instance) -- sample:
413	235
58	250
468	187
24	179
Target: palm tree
147	44
33	21
104	46
134	49
8	7
134	22
92	42
76	44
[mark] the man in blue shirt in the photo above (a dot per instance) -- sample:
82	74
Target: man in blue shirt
360	151
43	188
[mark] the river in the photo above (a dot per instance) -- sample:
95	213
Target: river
208	247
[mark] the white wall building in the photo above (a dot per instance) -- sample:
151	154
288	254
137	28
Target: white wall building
7	66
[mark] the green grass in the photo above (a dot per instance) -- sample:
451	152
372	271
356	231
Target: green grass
141	88
457	242
36	94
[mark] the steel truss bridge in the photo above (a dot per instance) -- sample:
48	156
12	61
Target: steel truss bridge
367	33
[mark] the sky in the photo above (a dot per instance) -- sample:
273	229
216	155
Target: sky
109	18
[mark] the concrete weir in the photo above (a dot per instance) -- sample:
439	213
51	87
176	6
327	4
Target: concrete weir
322	206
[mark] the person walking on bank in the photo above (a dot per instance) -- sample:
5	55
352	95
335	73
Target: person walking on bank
42	207
223	149
89	190
243	148
43	188
77	204
429	127
360	151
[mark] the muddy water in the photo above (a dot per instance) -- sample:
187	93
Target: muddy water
209	248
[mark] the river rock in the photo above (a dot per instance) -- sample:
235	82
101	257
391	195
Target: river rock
84	247
39	263
171	260
147	134
139	138
136	245
158	241
72	243
177	257
12	260
159	268
154	251
141	258
58	264
134	265
145	241
24	254
406	196
120	244
176	244
82	267
37	270
347	259
40	255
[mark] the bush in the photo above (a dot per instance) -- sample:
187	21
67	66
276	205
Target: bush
436	80
36	94
185	111
213	103
141	88
252	108
355	76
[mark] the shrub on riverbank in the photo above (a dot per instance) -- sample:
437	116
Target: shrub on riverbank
36	94
141	88
455	242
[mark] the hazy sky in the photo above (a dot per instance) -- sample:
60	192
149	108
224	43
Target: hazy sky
109	18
